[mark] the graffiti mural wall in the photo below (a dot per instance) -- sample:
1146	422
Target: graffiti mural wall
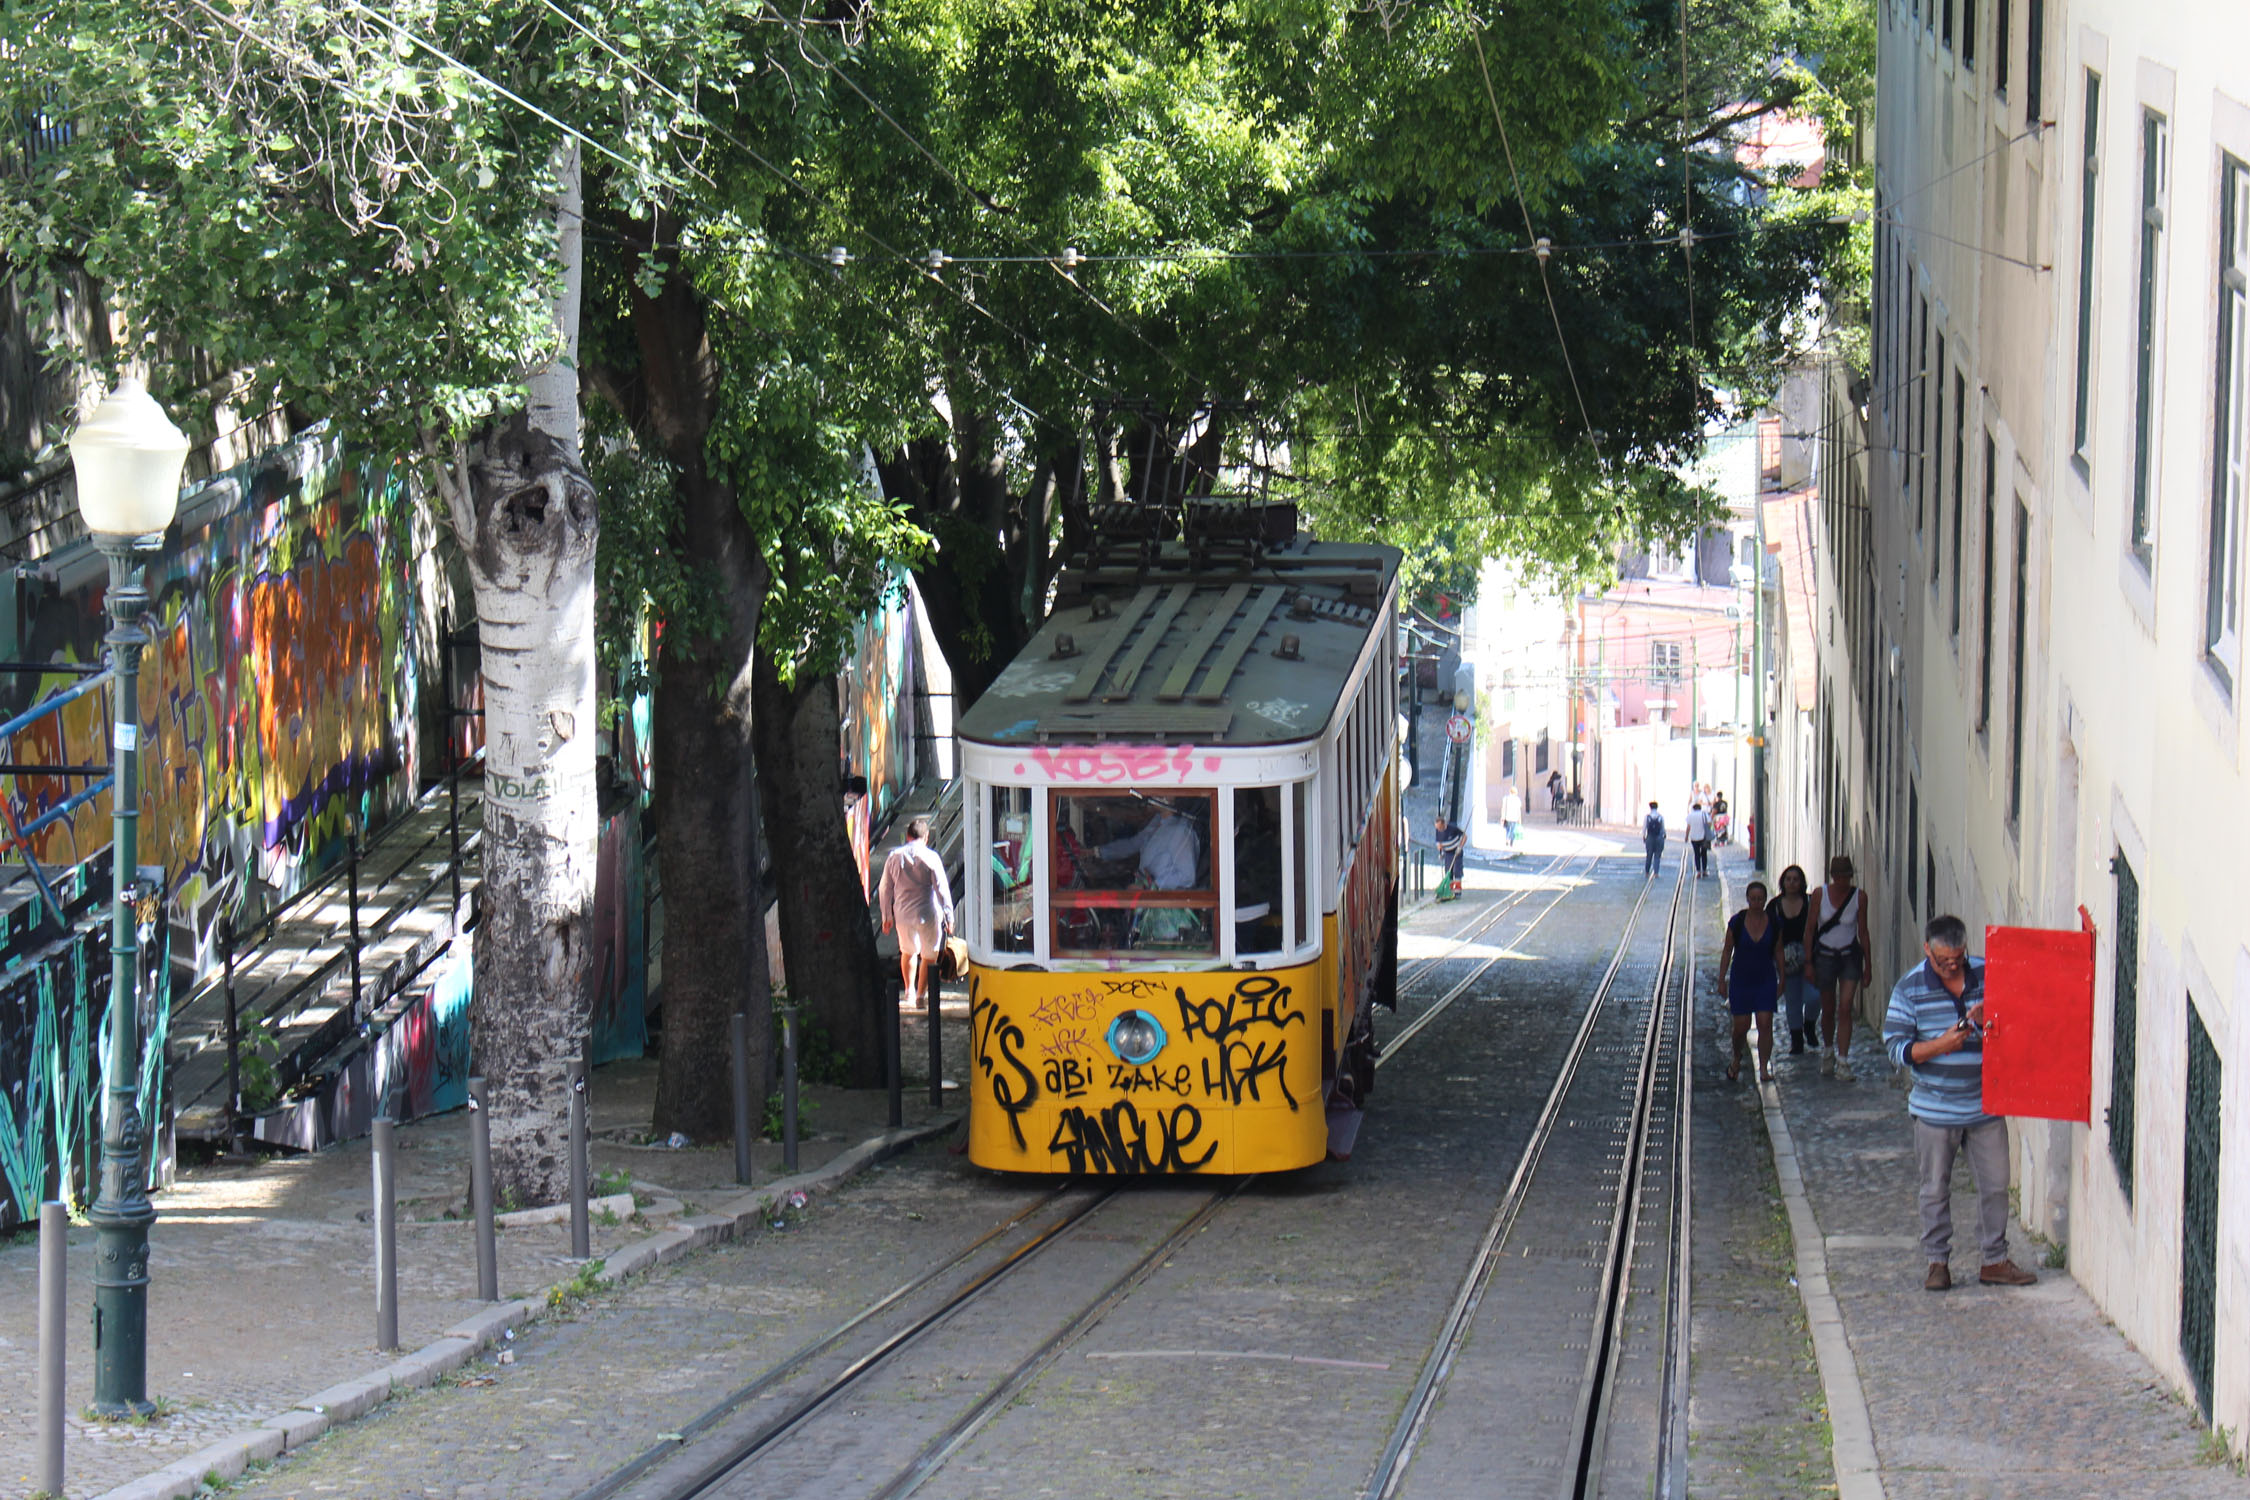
879	713
278	696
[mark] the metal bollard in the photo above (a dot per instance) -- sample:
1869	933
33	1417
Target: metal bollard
480	1192
739	1025
54	1242
788	1088
581	1234
890	1063
386	1236
935	999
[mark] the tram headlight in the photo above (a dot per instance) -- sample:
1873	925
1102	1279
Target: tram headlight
1136	1037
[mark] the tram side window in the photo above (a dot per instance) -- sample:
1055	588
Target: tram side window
1257	869
1132	874
1307	897
1009	819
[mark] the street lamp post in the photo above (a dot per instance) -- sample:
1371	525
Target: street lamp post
128	457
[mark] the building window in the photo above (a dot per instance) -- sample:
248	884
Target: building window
2000	18
1945	24
1921	417
2089	173
1914	850
1933	461
2016	666
2199	1211
1984	657
2154	142
1969	34
2034	62
1960	493
2124	1023
2222	629
1664	661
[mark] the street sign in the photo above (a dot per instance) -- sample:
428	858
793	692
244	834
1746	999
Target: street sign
1457	729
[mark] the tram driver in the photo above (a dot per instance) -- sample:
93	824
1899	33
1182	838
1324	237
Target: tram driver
1170	850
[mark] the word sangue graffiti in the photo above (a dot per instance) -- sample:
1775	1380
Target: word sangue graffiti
1118	1139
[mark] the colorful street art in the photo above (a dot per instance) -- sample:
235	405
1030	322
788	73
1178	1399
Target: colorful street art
879	713
278	695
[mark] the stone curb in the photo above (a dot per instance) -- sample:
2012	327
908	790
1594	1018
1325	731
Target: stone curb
325	1410
1852	1433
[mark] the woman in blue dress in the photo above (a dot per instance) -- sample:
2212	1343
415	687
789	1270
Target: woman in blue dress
1750	977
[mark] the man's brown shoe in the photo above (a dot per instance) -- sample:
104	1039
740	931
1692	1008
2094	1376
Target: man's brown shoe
1940	1278
2005	1273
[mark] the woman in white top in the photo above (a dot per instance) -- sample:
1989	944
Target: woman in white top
1836	959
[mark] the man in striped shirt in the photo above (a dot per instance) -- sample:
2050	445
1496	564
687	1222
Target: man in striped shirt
1935	1027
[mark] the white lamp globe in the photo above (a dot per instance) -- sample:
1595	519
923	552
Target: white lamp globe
128	456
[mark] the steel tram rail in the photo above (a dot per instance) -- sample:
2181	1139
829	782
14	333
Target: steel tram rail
1482	922
1390	1468
933	1456
1460	987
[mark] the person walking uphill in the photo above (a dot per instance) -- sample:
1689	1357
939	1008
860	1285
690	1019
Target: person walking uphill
1699	839
1652	841
916	899
1452	847
1935	1027
1750	977
1836	960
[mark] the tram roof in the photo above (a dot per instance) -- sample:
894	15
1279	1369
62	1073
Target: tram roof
1165	646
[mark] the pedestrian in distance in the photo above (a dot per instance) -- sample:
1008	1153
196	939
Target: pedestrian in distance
1511	817
1554	792
1836	960
1790	909
1750	977
1652	841
1452	848
916	901
1719	818
1934	1026
1699	839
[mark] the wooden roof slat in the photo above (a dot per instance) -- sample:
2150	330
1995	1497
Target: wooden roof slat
1121	686
1176	682
1090	676
1214	684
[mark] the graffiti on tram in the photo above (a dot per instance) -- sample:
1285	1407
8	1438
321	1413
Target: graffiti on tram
1233	1040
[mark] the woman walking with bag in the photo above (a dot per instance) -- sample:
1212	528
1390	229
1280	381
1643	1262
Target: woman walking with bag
1793	909
1750	977
1836	960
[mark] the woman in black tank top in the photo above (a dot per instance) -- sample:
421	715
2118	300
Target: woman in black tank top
1791	909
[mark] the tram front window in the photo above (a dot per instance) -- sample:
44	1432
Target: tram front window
1257	869
1009	819
1132	874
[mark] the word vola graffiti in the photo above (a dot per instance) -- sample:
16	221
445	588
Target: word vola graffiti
1236	1046
1112	765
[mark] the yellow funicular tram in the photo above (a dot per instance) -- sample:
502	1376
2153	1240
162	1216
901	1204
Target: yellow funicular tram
1181	897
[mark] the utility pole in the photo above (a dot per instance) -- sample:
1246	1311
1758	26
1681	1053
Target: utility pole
1694	711
1758	698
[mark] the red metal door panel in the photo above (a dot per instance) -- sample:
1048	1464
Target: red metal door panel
2039	1022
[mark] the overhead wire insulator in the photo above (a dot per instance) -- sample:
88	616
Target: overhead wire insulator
1071	259
1542	247
838	256
936	260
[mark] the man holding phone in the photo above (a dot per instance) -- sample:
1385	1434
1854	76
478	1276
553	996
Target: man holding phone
1935	1028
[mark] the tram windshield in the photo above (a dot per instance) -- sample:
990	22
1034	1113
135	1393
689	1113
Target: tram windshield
1131	873
1257	913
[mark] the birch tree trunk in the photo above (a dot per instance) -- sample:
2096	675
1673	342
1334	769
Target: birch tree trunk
525	514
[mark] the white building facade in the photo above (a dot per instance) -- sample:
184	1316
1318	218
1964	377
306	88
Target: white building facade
2028	552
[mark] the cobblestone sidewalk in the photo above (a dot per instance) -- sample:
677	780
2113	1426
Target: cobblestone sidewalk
1989	1392
262	1280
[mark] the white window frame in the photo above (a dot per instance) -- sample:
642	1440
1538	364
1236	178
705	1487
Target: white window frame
2230	457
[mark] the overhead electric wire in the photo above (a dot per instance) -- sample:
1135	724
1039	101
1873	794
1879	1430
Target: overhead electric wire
1476	38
